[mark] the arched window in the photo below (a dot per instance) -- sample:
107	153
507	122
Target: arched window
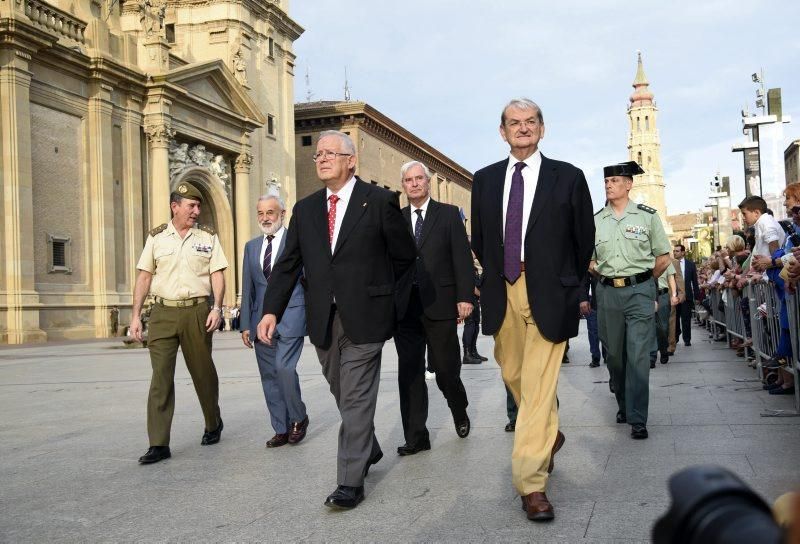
646	122
639	157
638	124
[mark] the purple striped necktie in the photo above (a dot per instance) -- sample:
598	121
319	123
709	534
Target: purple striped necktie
512	241
267	265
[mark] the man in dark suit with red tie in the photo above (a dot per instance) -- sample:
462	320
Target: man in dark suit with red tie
354	247
533	232
440	296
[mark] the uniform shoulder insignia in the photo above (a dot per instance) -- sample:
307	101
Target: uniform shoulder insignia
646	208
161	228
206	228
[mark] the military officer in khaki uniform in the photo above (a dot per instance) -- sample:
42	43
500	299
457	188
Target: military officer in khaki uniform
182	266
631	248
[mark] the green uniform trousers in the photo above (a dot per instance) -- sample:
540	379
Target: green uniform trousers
626	328
168	329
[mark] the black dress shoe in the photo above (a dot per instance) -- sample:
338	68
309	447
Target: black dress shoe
511	426
463	426
687	343
477	355
670	353
155	454
374	461
664	358
212	437
652	363
345	497
469	359
638	431
621	418
595	363
565	360
405	449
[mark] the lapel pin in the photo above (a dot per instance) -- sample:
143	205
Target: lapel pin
364	205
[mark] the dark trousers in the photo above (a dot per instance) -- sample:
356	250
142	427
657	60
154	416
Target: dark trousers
169	328
683	320
511	407
414	332
469	338
353	373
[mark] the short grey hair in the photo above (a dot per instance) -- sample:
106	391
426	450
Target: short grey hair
521	104
409	165
347	142
276	198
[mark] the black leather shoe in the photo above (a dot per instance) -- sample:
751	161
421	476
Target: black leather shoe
664	358
638	431
470	360
463	426
477	355
511	426
345	497
374	461
670	353
687	343
405	449
595	363
621	418
212	437
565	360
155	454
652	363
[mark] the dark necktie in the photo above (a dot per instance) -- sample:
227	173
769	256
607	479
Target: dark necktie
418	226
512	242
332	217
267	265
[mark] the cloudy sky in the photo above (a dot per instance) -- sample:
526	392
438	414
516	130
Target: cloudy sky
444	68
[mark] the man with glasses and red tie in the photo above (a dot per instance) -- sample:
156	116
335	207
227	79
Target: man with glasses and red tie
277	363
533	232
356	251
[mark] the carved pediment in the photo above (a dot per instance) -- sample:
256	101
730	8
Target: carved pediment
210	90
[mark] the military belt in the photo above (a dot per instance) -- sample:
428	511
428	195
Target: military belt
626	281
663	291
184	303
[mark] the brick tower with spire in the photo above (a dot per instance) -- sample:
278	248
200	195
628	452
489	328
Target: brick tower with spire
644	146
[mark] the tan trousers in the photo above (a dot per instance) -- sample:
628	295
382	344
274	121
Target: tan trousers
672	340
530	364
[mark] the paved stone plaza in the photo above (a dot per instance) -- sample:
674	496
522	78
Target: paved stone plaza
74	425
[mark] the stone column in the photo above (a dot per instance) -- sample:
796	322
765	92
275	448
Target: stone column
18	297
244	203
158	136
101	203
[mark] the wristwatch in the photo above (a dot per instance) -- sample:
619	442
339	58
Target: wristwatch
217	308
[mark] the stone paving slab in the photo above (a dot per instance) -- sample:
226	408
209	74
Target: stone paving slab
74	425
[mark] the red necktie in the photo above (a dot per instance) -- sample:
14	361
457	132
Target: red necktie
333	199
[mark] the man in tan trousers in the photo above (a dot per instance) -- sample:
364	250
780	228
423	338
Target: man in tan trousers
682	298
533	232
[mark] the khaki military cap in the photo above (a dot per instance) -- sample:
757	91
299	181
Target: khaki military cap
187	190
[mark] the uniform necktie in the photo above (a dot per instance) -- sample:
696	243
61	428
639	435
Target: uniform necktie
418	226
333	199
267	265
512	242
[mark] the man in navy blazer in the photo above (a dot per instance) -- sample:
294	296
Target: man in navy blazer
277	363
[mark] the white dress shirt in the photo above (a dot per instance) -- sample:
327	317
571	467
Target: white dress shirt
341	206
683	268
414	215
530	176
276	243
767	230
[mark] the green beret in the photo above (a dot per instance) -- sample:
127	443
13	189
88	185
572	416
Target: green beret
187	190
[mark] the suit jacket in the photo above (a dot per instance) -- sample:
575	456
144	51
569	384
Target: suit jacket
254	285
374	253
558	246
589	280
690	277
679	280
444	262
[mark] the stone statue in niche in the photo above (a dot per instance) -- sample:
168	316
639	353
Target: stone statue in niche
151	17
238	63
178	158
200	156
219	166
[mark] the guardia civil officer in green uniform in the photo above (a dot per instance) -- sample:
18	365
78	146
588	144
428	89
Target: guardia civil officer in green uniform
181	266
631	249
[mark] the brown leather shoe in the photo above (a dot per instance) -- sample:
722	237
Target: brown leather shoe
278	440
298	431
537	507
560	439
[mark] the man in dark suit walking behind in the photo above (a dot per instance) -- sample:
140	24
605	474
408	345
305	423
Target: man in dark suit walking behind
355	249
683	311
440	297
533	232
277	363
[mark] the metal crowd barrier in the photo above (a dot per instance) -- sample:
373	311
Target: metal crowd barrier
734	318
793	305
717	316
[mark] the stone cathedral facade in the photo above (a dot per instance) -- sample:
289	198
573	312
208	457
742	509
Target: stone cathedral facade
105	106
644	146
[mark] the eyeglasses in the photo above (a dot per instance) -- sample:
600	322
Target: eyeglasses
515	123
328	155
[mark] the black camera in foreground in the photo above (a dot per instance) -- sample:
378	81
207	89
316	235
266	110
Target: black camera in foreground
712	505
